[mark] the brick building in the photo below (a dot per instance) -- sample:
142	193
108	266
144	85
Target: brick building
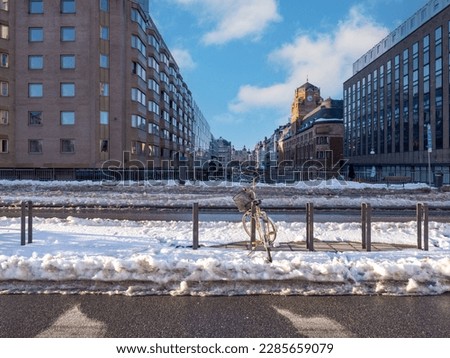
87	82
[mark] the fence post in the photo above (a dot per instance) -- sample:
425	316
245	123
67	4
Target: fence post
310	226
30	222
195	226
253	226
419	214
425	227
366	226
22	223
363	225
369	227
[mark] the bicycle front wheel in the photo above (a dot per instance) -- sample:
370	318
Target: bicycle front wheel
247	222
269	228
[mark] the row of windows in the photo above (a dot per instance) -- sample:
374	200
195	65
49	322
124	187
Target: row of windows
66	118
140	122
154	151
66	6
150	150
35	146
383	113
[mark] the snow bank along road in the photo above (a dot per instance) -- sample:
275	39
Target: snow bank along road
76	255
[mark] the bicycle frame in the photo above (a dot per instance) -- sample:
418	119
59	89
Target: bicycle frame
256	222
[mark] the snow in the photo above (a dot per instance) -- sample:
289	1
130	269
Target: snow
98	255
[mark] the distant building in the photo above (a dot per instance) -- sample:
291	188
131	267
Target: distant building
240	155
396	104
224	149
315	134
87	82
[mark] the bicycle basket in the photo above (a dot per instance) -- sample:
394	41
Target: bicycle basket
243	200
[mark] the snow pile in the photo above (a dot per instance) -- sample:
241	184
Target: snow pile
154	257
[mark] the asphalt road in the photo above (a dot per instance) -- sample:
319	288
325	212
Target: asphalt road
224	317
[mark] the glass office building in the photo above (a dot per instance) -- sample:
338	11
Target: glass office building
396	104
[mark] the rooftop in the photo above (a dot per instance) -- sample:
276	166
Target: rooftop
431	9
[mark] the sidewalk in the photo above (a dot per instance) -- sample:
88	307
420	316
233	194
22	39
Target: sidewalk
332	246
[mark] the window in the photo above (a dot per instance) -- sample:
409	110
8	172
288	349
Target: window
153	107
68	6
35	34
104	144
138	44
67	61
35	146
152	40
104	89
153	85
35	7
4	60
4	89
153	63
3	146
137	17
139	70
67	33
137	147
4	32
104	5
35	118
164	78
67	118
104	117
35	62
138	96
153	129
104	61
104	33
35	90
67	146
4	5
138	122
4	116
67	89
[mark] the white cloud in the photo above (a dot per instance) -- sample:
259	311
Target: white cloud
233	19
325	59
183	59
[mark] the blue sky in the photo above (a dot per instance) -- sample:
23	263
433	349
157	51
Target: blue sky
243	59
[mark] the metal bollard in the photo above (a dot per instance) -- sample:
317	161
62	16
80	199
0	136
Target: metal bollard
195	211
310	226
26	206
366	224
422	226
419	215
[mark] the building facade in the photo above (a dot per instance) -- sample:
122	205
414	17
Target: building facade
90	82
315	135
396	104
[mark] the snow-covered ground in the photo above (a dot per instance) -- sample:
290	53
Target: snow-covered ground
74	255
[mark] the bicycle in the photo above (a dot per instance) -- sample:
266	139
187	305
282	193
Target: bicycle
248	203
